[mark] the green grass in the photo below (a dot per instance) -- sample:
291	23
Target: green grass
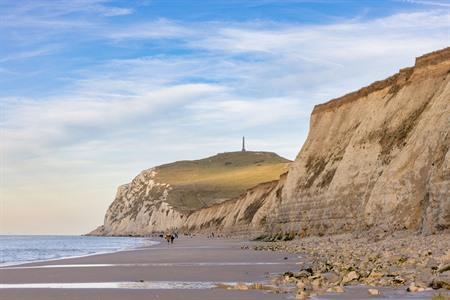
201	183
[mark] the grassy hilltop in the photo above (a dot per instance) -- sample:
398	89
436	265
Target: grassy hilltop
201	183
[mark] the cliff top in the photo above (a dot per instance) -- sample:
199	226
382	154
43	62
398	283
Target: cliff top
399	79
201	183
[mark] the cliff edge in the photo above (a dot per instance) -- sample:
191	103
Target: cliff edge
375	158
162	198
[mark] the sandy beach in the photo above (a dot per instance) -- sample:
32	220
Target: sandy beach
191	268
185	270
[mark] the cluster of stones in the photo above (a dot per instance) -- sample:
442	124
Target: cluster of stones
256	286
403	259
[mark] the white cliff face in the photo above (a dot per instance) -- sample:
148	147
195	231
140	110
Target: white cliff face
242	215
140	207
149	204
378	157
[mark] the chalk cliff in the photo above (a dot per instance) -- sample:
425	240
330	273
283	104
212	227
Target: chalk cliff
162	198
378	157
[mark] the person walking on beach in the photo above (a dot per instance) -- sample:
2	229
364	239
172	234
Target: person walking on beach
172	237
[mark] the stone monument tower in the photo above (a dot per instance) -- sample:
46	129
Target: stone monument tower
243	144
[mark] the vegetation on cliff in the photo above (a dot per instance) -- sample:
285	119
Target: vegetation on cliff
201	183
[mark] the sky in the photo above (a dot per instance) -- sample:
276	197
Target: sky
94	91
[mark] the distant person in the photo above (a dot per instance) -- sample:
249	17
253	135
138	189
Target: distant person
168	238
172	237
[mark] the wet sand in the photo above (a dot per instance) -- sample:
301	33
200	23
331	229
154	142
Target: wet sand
185	270
188	269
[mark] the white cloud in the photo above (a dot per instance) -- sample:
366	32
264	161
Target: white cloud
47	50
285	69
340	41
428	2
48	9
240	114
158	29
258	79
114	11
36	125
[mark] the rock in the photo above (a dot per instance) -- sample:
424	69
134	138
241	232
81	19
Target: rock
288	274
303	274
445	268
353	275
398	280
331	277
423	279
412	288
302	295
316	276
374	292
224	286
375	275
432	264
301	286
440	283
304	284
371	262
241	287
316	284
336	289
306	270
257	286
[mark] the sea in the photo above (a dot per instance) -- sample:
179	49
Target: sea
17	249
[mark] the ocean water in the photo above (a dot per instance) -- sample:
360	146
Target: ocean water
15	249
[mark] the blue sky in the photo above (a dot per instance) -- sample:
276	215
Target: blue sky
93	91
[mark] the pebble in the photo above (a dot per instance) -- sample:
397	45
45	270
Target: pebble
302	295
241	287
381	259
350	277
336	289
373	292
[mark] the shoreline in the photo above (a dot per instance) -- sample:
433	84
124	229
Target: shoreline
20	263
192	268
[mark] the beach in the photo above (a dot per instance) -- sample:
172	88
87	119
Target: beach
188	269
191	268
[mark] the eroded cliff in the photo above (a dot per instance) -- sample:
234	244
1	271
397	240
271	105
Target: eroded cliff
162	198
377	157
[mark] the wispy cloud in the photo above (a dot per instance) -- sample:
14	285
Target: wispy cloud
428	2
34	125
47	9
249	74
156	90
363	38
240	114
32	53
161	28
